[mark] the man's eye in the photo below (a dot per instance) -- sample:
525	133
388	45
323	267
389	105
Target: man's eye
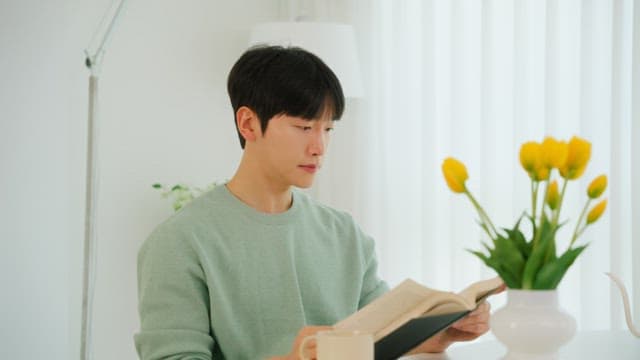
304	128
328	129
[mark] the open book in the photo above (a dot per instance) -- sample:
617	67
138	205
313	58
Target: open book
410	313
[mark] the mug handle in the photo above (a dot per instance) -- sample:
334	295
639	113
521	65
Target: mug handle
303	344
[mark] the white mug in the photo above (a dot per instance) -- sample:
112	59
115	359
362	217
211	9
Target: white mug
340	345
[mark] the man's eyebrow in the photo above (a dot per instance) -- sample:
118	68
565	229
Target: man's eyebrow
330	121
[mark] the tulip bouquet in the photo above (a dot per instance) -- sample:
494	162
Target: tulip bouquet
534	263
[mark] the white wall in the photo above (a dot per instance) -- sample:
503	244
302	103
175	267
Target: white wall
164	117
41	180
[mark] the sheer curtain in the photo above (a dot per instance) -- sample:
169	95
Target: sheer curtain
475	79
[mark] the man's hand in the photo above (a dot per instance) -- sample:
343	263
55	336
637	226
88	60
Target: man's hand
468	328
471	326
310	349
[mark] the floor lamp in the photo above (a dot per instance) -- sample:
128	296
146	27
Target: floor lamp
93	61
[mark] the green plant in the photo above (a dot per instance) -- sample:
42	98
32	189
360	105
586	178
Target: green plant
181	194
534	263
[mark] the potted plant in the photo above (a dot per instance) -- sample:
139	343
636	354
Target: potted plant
532	266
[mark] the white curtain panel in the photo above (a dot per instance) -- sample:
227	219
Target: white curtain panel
474	80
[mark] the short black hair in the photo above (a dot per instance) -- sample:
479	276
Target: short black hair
273	80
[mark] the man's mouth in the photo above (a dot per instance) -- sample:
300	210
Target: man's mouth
310	168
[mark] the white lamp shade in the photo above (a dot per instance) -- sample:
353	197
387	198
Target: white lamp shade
334	43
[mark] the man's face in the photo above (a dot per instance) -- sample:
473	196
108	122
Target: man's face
292	148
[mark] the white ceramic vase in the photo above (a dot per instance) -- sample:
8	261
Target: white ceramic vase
532	325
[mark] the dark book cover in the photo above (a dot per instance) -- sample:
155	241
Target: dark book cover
412	334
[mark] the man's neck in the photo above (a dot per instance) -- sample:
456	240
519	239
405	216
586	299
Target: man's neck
257	191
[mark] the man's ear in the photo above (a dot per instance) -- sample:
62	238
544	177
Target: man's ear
248	123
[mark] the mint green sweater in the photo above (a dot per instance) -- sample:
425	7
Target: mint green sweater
220	280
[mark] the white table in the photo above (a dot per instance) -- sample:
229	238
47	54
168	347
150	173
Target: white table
618	345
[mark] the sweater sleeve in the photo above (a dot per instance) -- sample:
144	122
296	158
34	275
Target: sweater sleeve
173	300
372	285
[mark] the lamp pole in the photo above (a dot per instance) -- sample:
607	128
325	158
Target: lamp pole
93	61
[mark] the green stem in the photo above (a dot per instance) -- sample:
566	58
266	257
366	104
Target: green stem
544	199
534	199
556	216
536	236
536	227
542	213
576	234
483	216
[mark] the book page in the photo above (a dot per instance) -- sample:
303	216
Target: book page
477	291
438	302
410	300
387	308
448	307
441	302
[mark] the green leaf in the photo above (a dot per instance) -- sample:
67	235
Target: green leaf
506	259
551	273
551	250
509	254
509	257
486	246
519	240
533	225
157	186
550	255
504	274
509	279
482	256
176	187
502	271
539	253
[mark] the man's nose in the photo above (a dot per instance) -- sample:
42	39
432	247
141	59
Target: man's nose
318	143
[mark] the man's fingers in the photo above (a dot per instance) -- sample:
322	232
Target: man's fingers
311	330
479	328
482	313
309	348
460	335
484	307
482	316
476	321
471	326
483	310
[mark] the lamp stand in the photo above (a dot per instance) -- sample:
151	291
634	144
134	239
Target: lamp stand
93	62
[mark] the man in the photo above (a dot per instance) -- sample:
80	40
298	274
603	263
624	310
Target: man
249	269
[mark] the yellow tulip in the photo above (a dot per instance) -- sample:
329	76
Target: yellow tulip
577	158
455	173
596	211
530	157
542	173
597	187
554	152
553	197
